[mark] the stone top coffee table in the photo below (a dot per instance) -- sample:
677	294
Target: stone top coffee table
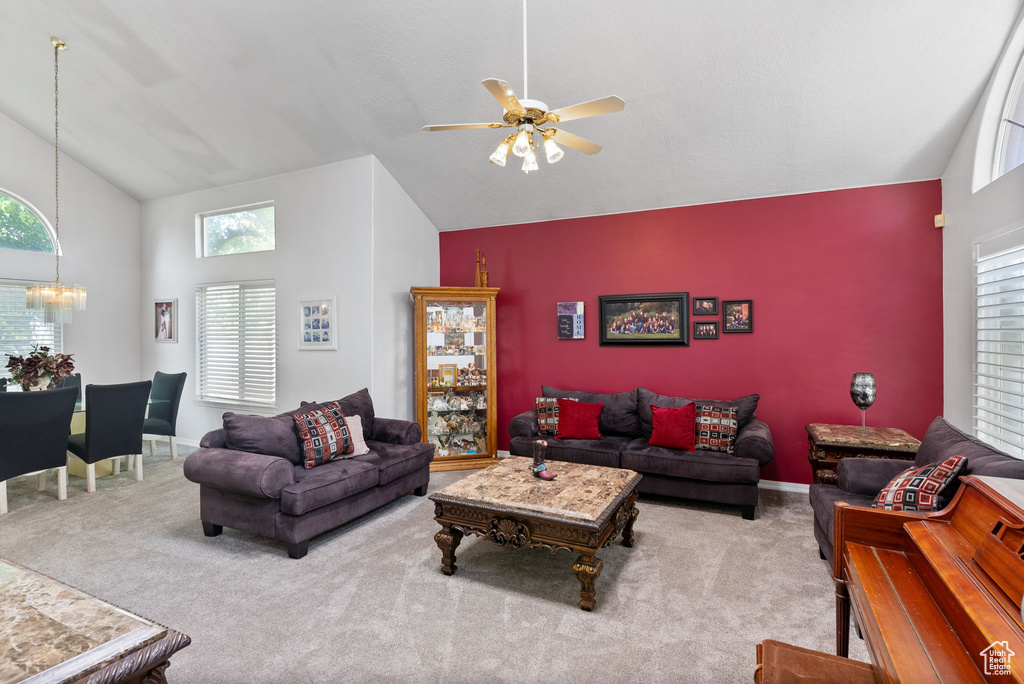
581	511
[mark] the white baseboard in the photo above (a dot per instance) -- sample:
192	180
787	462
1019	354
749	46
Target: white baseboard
504	454
188	441
784	486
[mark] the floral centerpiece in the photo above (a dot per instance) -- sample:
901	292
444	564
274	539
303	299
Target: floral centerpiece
40	369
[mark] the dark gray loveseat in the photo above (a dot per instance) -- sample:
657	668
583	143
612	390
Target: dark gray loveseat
626	425
860	479
251	476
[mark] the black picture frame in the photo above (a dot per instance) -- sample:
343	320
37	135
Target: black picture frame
667	311
736	318
705	306
705	330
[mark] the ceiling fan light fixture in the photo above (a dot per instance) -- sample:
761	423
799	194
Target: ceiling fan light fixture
501	154
530	161
553	151
523	143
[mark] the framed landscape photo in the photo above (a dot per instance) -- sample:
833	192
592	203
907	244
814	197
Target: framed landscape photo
317	330
705	330
650	319
705	306
165	320
738	316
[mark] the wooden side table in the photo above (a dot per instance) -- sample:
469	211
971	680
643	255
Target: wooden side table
829	444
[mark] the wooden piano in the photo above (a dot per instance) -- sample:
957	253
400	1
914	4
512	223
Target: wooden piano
937	596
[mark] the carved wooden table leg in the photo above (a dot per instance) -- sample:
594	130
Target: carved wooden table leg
587	569
627	531
448	540
842	619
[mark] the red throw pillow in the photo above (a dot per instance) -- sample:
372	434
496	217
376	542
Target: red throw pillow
578	420
674	427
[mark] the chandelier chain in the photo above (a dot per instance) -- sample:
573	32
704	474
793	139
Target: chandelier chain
56	154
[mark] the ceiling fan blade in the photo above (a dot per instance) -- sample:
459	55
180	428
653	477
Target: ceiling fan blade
575	142
502	92
606	105
456	127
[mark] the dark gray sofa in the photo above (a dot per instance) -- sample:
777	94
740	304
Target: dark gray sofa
273	494
860	479
626	425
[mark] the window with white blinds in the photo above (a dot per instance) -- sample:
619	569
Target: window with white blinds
236	343
22	328
999	342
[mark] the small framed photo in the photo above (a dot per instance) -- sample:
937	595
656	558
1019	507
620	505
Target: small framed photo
316	324
705	306
449	373
655	319
705	330
165	320
738	316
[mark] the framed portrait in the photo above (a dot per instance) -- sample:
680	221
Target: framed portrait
449	373
317	327
165	320
705	330
738	316
705	306
650	319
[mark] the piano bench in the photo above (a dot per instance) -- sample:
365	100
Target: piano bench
779	663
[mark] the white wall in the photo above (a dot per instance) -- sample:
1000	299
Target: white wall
326	242
969	217
406	253
101	243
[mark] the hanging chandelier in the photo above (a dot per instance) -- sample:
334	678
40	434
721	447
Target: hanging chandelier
56	299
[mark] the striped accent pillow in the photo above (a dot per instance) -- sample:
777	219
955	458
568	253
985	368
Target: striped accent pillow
547	415
324	434
917	489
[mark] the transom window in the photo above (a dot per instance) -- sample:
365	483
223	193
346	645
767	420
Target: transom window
21	228
1010	149
237	231
22	328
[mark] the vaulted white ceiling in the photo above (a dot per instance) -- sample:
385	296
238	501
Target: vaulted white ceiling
724	100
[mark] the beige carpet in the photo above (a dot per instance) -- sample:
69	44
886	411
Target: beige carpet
687	603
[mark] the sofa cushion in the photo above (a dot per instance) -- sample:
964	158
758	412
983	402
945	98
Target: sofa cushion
745	406
547	415
599	452
710	466
355	430
918	488
716	428
275	436
325	484
823	498
324	434
397	460
359	403
674	428
578	419
619	416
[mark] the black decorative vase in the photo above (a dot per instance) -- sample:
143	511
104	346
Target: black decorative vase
863	392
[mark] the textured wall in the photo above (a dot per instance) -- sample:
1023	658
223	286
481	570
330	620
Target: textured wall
842	281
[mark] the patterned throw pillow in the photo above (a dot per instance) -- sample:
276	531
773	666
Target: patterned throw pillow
324	434
547	415
917	489
716	428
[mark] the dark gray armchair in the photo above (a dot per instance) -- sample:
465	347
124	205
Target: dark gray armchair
860	479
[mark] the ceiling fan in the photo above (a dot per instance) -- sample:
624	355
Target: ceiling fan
532	118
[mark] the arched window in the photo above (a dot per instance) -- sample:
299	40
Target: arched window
1010	148
22	228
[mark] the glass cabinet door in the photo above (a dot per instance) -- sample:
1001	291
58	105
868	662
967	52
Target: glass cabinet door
456	377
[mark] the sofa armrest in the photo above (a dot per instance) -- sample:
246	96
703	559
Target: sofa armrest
868	476
256	475
525	425
755	441
214	439
394	431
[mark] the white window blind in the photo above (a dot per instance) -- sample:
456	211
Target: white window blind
999	342
21	328
236	343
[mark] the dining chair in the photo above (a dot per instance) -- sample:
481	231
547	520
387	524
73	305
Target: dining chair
163	409
113	427
74	380
34	430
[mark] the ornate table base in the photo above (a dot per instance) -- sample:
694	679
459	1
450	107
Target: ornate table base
514	527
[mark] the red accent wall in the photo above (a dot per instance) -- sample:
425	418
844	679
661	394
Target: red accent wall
842	281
